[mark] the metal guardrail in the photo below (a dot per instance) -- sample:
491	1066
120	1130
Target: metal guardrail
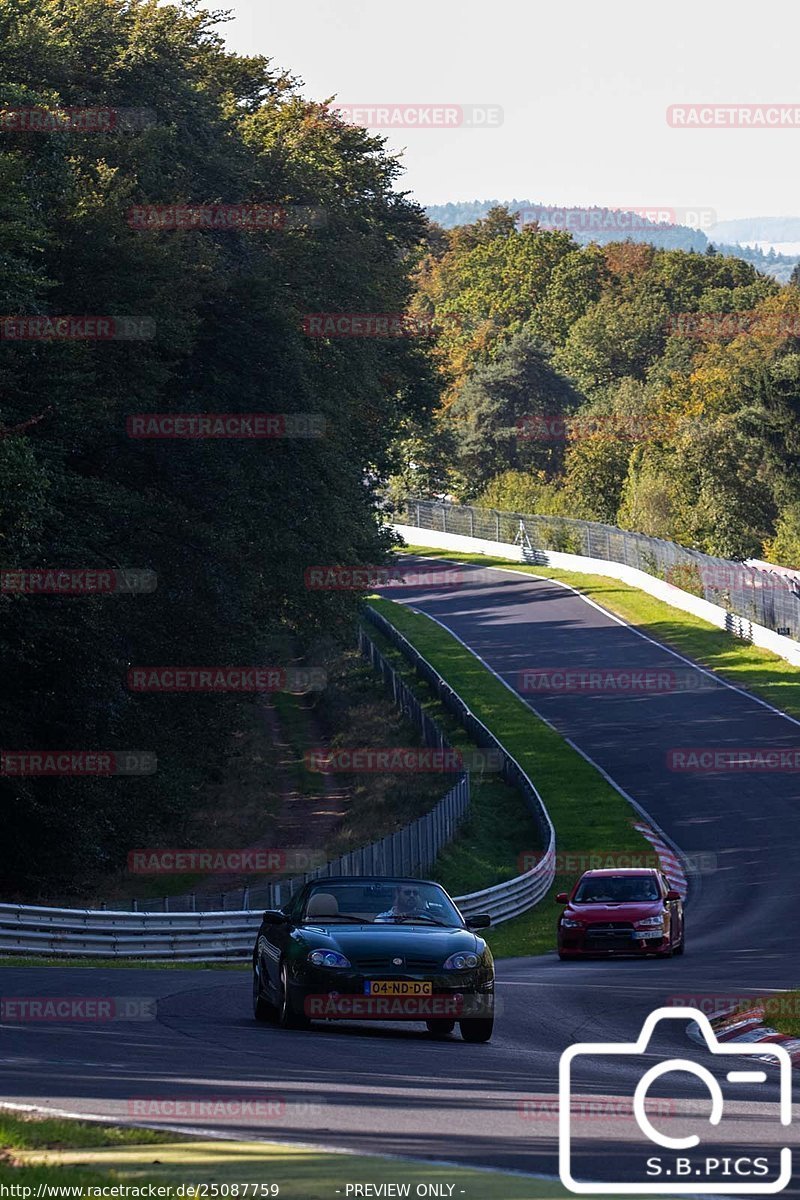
768	598
204	936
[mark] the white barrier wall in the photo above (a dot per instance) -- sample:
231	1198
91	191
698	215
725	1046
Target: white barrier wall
738	626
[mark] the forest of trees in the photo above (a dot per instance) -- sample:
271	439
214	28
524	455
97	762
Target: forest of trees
684	428
689	434
228	527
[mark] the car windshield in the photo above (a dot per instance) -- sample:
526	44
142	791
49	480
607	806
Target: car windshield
390	901
616	889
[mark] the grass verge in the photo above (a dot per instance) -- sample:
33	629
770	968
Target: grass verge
81	1154
781	1011
759	671
499	829
588	814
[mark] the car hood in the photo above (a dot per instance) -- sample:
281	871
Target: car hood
607	911
390	940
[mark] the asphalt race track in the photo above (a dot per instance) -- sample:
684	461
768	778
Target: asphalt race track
391	1089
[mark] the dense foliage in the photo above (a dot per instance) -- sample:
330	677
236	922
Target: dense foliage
228	526
685	427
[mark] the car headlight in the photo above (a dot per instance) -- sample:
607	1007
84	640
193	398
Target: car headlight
461	962
568	923
648	922
328	958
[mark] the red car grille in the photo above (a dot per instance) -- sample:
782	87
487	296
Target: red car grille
612	935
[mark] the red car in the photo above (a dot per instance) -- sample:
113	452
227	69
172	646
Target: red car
632	911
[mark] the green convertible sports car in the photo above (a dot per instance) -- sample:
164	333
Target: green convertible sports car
371	948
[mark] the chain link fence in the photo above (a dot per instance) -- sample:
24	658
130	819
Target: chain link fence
767	598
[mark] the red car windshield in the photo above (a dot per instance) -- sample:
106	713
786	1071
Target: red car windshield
616	889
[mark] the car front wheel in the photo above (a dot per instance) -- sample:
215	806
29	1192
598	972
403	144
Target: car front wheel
262	1009
288	1017
440	1027
477	1029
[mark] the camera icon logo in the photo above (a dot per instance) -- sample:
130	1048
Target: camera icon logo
685	1174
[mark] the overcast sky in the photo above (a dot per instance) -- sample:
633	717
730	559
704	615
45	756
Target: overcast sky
584	88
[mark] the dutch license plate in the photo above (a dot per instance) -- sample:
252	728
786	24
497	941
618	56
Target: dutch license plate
397	987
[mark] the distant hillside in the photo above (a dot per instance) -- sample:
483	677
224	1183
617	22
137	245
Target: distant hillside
779	266
586	224
595	224
758	229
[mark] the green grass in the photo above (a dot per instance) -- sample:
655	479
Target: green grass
19	1132
499	827
781	1011
296	729
759	671
61	1153
588	814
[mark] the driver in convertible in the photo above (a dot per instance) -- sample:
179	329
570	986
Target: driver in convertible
407	903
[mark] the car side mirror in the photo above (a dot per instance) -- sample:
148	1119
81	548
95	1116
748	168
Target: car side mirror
274	916
562	897
673	895
479	921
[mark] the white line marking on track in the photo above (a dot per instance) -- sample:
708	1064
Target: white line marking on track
612	782
645	637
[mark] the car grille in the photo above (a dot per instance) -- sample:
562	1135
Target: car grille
611	935
409	964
